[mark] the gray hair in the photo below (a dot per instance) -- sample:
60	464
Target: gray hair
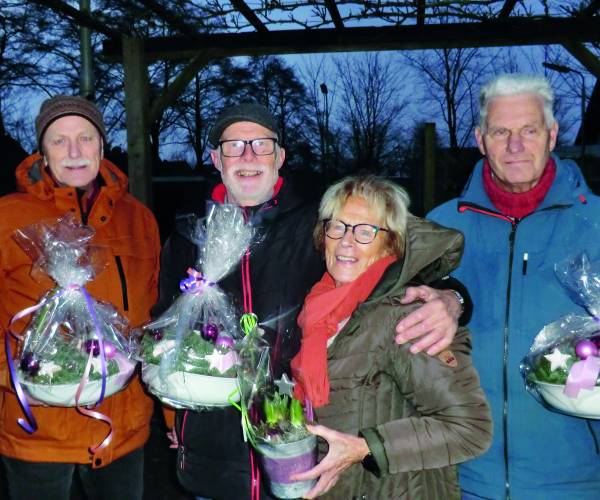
511	84
388	201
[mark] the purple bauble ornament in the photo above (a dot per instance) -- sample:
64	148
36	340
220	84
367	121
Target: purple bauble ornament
586	348
210	332
157	335
224	342
26	358
29	364
92	346
110	351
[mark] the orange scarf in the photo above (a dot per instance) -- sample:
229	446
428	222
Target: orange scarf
324	307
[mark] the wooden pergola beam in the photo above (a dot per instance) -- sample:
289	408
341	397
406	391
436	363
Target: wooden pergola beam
176	87
250	16
420	12
493	33
591	8
507	9
585	56
136	120
591	123
334	13
80	17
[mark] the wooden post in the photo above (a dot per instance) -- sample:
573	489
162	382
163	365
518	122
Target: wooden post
86	76
136	110
429	168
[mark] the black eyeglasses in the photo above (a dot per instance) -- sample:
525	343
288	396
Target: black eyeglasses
261	146
362	233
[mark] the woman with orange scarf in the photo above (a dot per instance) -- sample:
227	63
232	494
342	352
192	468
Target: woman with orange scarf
395	422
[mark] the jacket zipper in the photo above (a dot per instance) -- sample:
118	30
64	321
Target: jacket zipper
82	212
511	244
123	281
594	438
181	440
463	207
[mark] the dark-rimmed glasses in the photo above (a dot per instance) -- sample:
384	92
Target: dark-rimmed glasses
362	233
262	146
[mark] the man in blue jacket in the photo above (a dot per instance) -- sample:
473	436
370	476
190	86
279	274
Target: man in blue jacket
522	211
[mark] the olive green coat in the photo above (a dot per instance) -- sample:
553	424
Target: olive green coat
419	415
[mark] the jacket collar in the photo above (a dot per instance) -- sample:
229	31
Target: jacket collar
219	192
567	188
32	178
284	199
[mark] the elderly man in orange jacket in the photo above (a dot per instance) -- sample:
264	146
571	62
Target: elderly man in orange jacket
70	175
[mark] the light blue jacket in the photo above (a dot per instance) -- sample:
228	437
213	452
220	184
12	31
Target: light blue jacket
508	267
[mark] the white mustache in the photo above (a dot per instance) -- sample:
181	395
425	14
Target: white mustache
76	163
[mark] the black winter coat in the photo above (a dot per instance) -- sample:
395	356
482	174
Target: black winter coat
213	460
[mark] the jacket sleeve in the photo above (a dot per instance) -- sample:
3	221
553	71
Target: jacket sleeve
156	247
450	283
452	421
4	374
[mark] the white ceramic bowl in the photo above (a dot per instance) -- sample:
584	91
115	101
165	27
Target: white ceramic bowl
586	404
64	394
190	390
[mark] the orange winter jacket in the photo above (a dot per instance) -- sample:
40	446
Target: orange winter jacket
129	231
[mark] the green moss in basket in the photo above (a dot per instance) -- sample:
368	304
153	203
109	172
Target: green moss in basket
191	353
67	366
284	420
543	371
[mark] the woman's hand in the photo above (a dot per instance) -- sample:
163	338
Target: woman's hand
434	324
344	450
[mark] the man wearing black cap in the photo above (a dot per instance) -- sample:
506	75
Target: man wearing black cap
70	176
270	281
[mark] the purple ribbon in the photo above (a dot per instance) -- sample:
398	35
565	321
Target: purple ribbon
195	283
30	425
308	410
92	310
582	375
279	470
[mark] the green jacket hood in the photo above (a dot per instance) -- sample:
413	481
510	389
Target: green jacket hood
431	252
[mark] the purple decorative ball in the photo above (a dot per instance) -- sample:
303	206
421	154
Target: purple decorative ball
92	346
210	332
110	350
157	335
586	348
224	342
29	364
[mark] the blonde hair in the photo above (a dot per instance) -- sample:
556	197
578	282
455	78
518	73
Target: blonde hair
388	201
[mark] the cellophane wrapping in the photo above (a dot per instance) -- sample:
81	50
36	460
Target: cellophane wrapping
562	366
188	355
69	331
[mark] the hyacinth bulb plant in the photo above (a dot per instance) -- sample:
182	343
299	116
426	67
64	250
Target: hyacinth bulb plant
284	420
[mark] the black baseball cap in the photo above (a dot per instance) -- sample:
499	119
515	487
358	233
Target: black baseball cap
245	112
